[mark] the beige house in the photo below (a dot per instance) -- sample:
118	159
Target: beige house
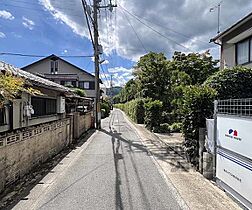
62	72
236	44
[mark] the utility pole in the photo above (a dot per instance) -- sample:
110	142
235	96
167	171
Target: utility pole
111	86
97	52
97	69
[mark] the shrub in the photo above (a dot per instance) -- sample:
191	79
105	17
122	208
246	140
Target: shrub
79	92
105	109
153	114
197	106
232	83
162	128
134	109
175	127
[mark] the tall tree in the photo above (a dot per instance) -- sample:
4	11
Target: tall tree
153	75
198	66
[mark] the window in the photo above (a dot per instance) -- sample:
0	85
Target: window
2	116
87	85
74	83
243	52
54	67
91	85
44	106
84	85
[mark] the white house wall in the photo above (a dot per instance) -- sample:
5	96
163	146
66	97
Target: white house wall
228	55
44	67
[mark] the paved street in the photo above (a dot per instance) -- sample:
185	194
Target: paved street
113	170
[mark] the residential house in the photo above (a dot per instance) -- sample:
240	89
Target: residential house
62	72
236	44
29	110
34	128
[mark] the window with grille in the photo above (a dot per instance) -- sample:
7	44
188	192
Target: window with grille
2	116
44	106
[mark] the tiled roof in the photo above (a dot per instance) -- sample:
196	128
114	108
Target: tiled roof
35	80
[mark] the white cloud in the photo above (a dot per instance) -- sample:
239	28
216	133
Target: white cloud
2	35
27	23
6	15
185	23
119	69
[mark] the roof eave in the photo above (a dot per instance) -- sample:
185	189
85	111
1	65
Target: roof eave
219	37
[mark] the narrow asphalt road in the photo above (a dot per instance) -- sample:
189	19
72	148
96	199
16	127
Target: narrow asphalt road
114	171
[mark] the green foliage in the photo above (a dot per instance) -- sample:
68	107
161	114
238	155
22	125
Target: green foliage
128	93
197	106
154	77
162	128
79	92
153	114
105	109
232	83
11	86
134	109
198	66
176	127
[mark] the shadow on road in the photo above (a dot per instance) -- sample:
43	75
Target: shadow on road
116	140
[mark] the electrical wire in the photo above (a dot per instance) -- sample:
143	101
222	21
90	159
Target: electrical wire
154	30
40	56
84	5
140	41
169	29
31	9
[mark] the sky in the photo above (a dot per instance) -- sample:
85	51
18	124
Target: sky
134	28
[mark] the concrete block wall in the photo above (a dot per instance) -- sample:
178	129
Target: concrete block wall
21	150
82	123
85	122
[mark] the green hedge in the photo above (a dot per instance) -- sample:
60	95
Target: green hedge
198	103
153	114
232	83
134	109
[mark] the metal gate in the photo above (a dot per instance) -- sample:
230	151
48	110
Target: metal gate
233	134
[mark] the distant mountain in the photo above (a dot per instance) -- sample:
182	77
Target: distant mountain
113	91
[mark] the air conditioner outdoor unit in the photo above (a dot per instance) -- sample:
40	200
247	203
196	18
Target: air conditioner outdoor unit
61	105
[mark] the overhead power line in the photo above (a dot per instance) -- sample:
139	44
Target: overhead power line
153	29
31	9
140	41
84	5
40	56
